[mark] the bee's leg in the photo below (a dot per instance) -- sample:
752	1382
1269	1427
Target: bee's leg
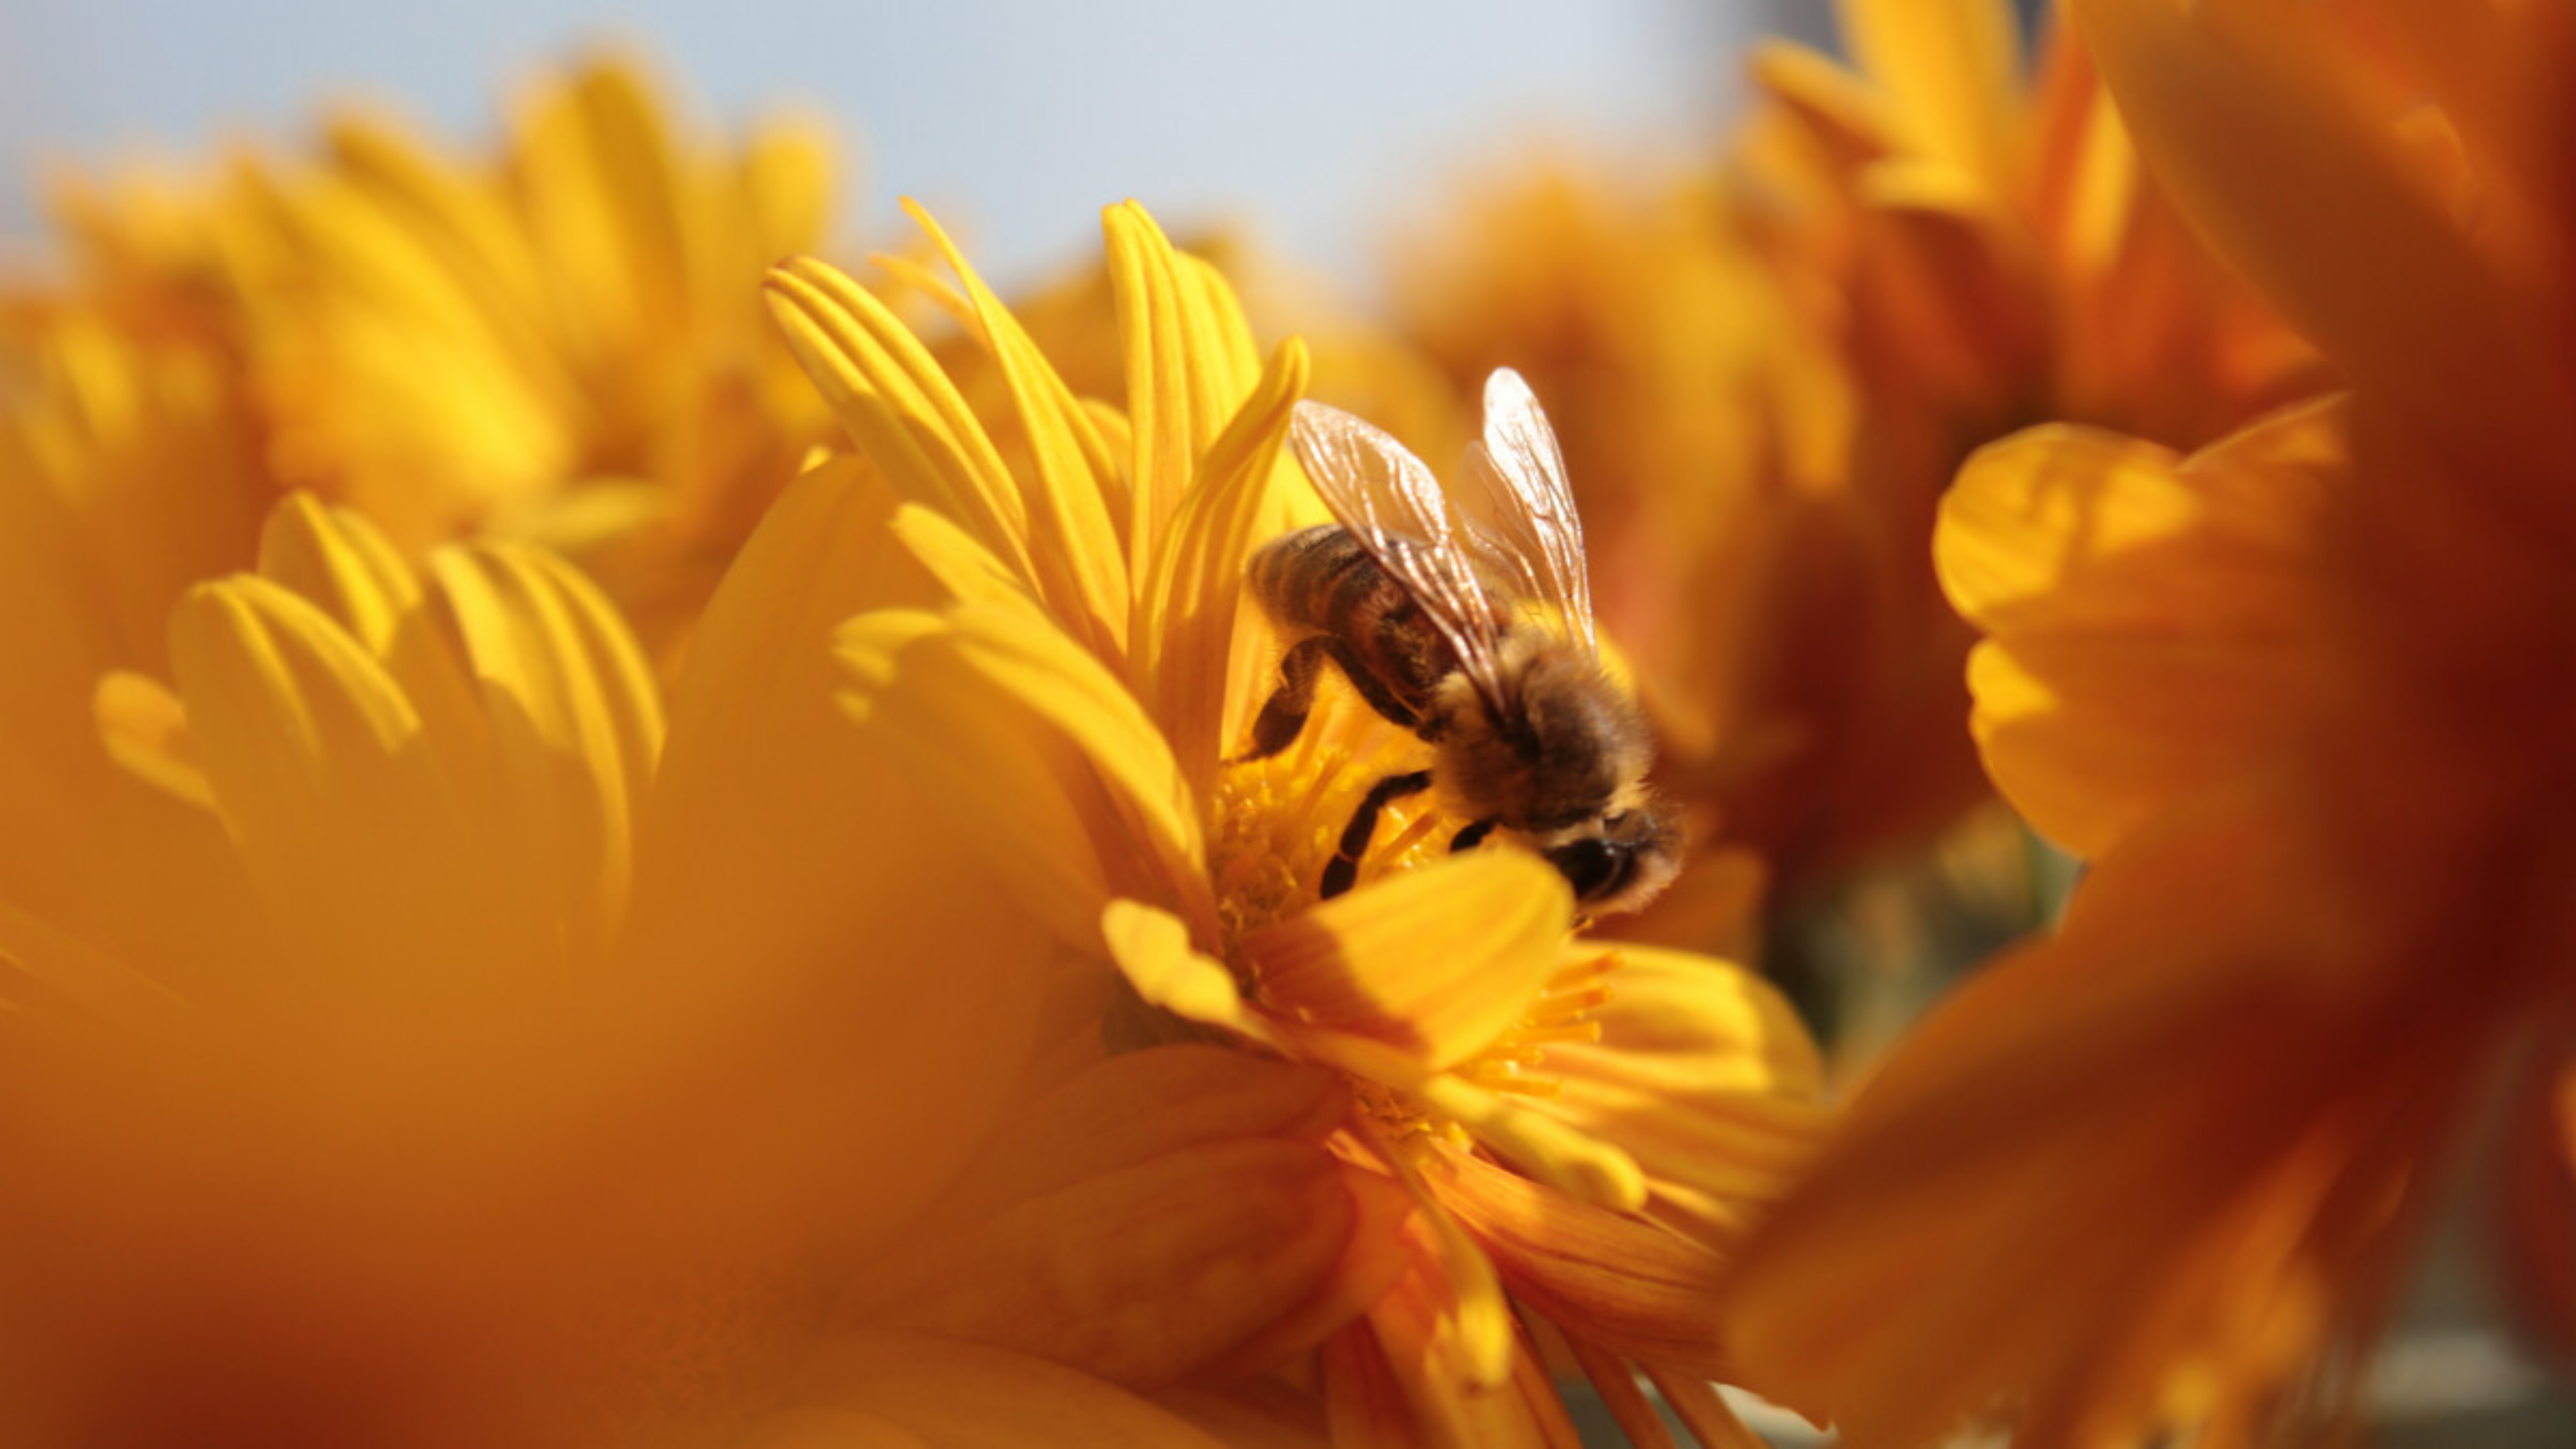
1473	836
1285	714
1344	867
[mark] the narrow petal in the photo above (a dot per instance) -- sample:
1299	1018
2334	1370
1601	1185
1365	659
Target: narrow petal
1705	1075
1073	538
906	1390
325	780
1955	69
1435	962
897	405
1185	665
1627	1285
2154	625
1421	1352
339	561
575	728
1190	364
143	725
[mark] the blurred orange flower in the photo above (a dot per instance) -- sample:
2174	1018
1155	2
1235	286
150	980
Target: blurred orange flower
1771	370
2301	698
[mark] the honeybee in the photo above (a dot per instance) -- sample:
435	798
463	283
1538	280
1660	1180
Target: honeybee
1424	609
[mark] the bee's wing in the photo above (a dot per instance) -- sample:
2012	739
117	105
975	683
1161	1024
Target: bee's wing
1519	510
1390	502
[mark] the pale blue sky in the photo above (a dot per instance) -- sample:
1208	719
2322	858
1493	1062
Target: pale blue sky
1325	124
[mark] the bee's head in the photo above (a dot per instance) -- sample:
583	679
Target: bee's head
1619	861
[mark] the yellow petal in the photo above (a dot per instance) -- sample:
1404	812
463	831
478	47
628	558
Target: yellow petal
1190	363
1409	1378
341	564
1436	962
1634	1287
576	726
1955	69
908	1390
802	887
898	406
1705	1075
1186	655
970	572
1073	538
145	727
1569	1160
1142	1257
1152	949
1001	681
324	778
2154	625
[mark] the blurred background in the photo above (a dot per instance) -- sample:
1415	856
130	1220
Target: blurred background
1314	126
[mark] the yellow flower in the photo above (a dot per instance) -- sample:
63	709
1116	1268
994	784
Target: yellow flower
1771	366
514	1052
2301	700
562	340
1574	1127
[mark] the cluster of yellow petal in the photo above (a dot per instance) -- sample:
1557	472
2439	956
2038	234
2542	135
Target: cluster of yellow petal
1767	371
2300	699
553	341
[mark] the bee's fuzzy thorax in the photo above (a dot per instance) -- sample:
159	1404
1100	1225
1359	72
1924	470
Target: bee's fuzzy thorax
1566	741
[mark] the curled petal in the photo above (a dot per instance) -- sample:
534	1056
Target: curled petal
2153	623
1436	962
1152	948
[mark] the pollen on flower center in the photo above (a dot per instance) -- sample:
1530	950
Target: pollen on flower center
1278	822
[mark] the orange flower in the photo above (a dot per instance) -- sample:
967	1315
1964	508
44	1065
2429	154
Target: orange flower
2300	699
1770	371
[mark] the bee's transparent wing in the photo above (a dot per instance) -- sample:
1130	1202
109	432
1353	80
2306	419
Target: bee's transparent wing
1519	510
1390	502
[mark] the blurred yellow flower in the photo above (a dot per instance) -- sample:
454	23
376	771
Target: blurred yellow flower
1771	368
506	1052
562	340
2301	698
1572	1127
